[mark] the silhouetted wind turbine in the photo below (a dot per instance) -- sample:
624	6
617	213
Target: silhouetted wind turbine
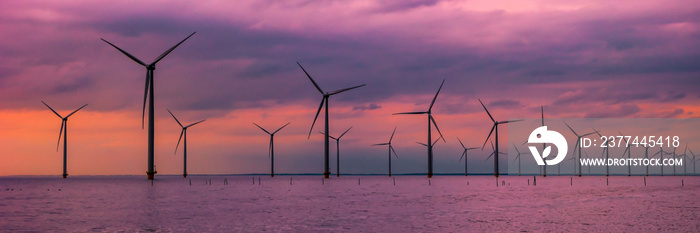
646	156
271	147
629	154
674	157
495	127
337	150
64	131
518	157
391	149
577	146
464	155
184	144
684	157
325	99
148	92
693	161
430	120
607	155
661	152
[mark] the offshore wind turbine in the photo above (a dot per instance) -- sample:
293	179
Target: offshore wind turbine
391	149
271	147
64	131
693	161
337	150
629	154
577	146
464	155
684	157
183	132
646	156
430	120
607	156
325	99
518	157
661	152
148	92
495	127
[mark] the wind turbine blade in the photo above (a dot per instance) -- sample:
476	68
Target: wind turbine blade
345	89
346	131
194	123
409	113
178	140
516	148
573	152
76	111
178	122
392	134
281	128
622	136
436	95
59	135
623	153
381	144
437	140
54	111
463	153
436	127
312	80
145	95
422	143
171	49
587	134
597	132
264	129
472	148
516	158
392	149
125	53
513	121
316	117
487	111
586	154
460	142
492	153
572	130
487	138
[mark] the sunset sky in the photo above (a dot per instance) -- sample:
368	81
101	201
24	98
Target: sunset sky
580	59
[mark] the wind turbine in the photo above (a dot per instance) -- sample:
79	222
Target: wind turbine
430	120
64	131
684	156
646	156
674	157
606	151
693	161
518	157
337	148
148	92
661	152
391	149
325	99
184	144
495	127
271	148
629	154
577	146
464	155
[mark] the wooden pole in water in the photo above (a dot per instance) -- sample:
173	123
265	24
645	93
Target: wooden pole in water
190	182
534	181
259	181
645	181
429	183
572	181
607	182
290	180
394	181
358	181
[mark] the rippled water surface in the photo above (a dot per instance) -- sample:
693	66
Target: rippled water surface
351	203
